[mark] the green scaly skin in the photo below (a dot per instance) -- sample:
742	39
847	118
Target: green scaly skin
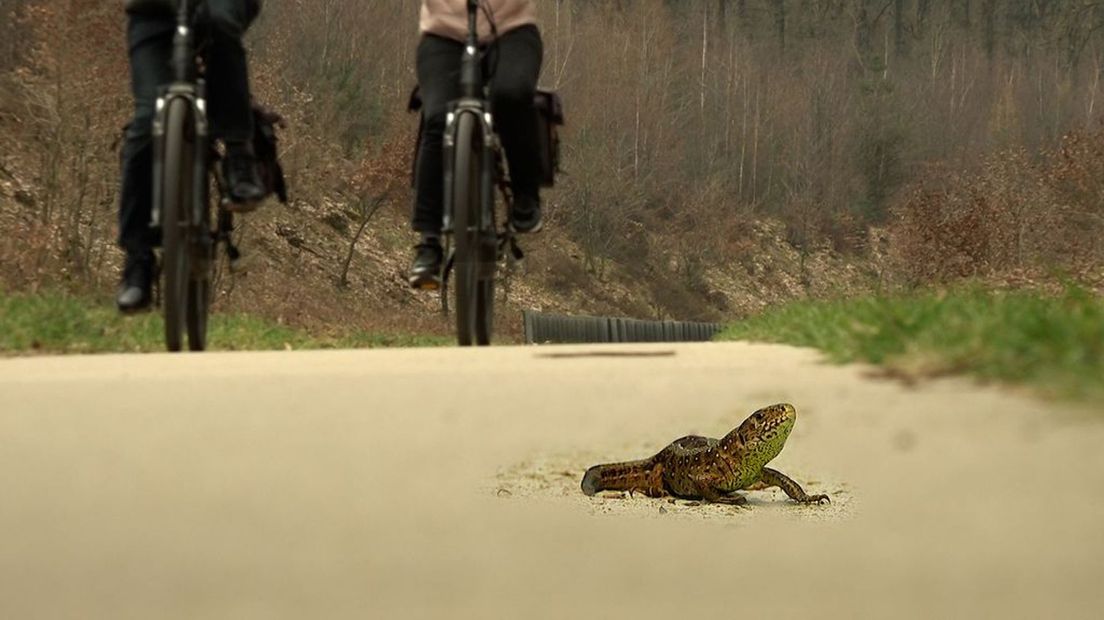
713	470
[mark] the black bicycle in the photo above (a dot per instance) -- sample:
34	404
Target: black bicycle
185	170
475	242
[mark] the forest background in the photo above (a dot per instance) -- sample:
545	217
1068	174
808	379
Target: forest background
720	156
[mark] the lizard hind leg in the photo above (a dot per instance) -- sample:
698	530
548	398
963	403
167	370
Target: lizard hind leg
731	499
713	496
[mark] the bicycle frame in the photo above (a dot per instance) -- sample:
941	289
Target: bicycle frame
472	254
186	85
190	251
473	101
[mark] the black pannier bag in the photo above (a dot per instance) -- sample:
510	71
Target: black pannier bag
550	118
150	7
414	104
168	7
265	122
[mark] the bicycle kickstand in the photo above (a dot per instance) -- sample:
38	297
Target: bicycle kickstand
225	236
445	282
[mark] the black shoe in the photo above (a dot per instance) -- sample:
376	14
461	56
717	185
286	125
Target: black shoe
425	271
242	180
136	288
525	217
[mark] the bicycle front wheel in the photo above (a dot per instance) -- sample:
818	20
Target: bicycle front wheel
176	200
471	322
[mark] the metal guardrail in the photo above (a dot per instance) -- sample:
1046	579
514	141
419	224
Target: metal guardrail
541	328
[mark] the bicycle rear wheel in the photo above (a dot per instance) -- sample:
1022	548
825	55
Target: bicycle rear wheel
201	242
199	299
176	200
199	296
484	302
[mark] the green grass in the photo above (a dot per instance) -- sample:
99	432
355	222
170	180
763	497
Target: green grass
60	323
1055	344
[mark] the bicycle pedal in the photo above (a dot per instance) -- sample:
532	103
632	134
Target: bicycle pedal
239	208
425	285
234	259
516	251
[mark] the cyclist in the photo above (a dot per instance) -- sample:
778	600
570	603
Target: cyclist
149	40
508	28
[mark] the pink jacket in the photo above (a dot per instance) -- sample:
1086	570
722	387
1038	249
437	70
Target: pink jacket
449	18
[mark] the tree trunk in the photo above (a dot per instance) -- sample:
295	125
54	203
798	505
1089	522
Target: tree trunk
368	212
900	37
780	24
863	33
989	28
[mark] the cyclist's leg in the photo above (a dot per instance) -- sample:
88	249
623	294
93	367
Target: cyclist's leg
228	85
438	66
519	57
150	44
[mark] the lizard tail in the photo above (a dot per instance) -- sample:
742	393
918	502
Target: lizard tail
640	476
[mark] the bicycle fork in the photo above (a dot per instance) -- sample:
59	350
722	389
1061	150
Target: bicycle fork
195	96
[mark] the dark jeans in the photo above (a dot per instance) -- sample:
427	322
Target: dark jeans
149	40
519	56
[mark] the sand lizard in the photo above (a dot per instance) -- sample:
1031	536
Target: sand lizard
695	467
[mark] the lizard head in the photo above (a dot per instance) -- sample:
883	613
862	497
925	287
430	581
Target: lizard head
764	433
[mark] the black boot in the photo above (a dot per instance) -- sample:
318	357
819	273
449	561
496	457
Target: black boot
425	271
136	288
242	180
525	216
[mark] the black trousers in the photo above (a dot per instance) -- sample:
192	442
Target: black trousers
149	41
516	64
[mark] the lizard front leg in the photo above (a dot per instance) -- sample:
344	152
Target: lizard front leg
732	499
774	478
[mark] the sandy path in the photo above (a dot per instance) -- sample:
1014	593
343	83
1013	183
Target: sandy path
335	484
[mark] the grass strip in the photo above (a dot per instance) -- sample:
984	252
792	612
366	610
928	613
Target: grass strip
1053	343
54	322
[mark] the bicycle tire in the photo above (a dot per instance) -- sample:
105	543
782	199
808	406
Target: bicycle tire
179	161
488	255
466	186
484	313
199	306
199	281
